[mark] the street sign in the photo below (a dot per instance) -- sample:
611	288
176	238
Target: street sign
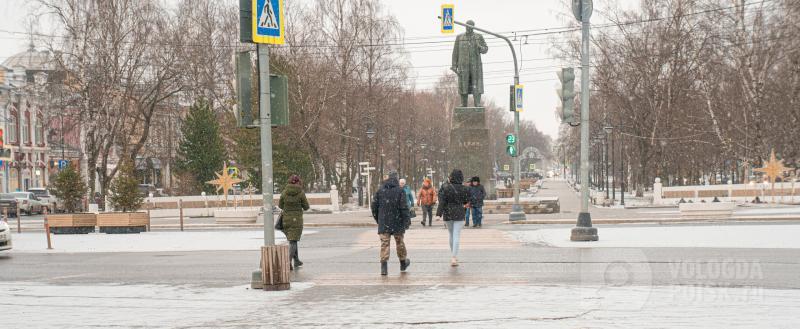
447	19
62	164
582	8
268	24
518	98
506	167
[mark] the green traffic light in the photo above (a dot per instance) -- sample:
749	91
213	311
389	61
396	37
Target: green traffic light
511	139
511	150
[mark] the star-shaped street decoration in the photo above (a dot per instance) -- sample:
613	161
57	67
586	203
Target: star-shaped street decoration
773	168
224	182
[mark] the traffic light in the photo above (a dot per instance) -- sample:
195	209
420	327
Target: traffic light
567	95
247	89
511	145
246	21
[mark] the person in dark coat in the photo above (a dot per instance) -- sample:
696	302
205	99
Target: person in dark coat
476	195
453	200
293	202
390	210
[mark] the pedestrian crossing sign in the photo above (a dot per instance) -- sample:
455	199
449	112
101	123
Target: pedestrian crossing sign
268	24
447	19
518	98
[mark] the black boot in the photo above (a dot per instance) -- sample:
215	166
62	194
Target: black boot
296	254
404	264
384	268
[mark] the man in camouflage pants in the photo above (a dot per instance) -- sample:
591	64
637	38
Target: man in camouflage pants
390	210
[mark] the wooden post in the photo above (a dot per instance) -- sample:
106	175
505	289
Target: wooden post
19	225
47	231
275	267
180	208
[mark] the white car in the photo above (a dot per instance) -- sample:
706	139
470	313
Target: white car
5	236
28	202
48	200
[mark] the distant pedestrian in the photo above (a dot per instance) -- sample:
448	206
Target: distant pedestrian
476	196
390	211
453	199
293	202
426	200
408	192
409	198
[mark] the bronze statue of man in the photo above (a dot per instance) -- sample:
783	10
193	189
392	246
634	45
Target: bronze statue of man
467	64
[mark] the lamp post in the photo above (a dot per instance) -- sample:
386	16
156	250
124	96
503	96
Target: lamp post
609	132
370	132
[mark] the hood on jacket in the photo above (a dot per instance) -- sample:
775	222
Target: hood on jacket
391	183
457	177
293	189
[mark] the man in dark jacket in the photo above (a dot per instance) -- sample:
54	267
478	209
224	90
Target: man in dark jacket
390	210
476	195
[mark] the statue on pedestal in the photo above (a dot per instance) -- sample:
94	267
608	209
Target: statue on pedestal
468	66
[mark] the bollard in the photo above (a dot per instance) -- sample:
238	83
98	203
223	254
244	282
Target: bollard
19	224
180	207
47	230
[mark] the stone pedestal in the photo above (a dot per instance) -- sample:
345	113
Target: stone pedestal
470	148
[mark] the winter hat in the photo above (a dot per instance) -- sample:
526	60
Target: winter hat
393	175
476	179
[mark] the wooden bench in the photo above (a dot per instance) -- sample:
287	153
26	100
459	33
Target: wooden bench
123	222
72	223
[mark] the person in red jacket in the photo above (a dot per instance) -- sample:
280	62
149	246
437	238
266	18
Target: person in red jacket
427	199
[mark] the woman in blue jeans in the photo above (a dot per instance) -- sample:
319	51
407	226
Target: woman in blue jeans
453	200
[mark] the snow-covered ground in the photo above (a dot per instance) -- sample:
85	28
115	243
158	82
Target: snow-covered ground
144	242
688	236
35	305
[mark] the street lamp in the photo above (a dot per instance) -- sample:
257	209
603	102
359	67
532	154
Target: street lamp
370	132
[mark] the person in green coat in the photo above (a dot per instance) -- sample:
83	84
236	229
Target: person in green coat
293	202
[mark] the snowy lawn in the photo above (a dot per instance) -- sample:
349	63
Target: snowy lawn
145	242
719	236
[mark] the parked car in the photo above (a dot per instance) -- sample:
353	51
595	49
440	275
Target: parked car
28	203
46	199
5	236
9	202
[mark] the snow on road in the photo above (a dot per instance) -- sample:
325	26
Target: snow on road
686	236
29	305
144	242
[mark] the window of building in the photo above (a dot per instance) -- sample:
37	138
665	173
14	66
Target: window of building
12	128
39	130
26	128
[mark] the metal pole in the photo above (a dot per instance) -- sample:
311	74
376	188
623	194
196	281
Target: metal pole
360	180
584	231
266	143
605	142
622	178
613	172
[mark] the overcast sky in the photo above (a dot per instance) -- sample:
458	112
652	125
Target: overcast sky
430	60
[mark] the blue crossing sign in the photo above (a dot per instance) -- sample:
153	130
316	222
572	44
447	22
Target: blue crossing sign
447	19
268	24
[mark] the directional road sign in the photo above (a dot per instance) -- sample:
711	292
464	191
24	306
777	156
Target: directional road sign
268	24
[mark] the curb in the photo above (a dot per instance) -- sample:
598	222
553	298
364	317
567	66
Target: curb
657	220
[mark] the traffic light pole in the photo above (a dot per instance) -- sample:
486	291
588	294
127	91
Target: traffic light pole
516	210
584	231
265	121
